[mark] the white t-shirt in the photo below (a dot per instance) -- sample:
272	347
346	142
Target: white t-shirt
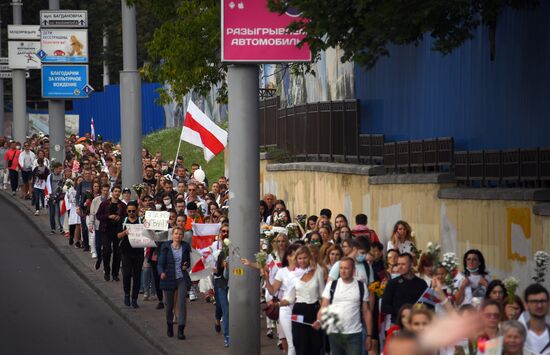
346	304
535	343
360	272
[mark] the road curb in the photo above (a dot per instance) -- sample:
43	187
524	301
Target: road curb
22	209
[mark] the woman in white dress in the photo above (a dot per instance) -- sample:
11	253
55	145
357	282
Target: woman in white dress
283	283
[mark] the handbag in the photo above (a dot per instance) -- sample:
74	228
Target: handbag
272	310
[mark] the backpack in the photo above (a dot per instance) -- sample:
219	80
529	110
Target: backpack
361	291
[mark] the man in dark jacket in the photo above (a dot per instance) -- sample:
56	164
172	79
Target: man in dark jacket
85	187
111	214
132	258
407	288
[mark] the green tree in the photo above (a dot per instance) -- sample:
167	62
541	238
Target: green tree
185	48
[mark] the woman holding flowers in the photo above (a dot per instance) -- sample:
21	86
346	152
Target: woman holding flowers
305	296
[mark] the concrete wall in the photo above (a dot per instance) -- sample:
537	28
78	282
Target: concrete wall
507	232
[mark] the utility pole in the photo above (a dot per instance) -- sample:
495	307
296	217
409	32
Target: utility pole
130	100
244	153
56	120
2	114
19	88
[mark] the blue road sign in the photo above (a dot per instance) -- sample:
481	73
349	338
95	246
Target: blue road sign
88	89
41	54
65	82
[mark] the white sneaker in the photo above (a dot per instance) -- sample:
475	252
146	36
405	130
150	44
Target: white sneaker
37	212
94	255
192	295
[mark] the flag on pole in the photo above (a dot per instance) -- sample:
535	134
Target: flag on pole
92	130
202	258
201	131
429	297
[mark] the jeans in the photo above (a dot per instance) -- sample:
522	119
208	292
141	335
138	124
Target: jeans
84	228
148	285
98	243
38	198
156	277
182	288
218	313
131	273
221	299
110	246
14	179
345	344
55	213
285	323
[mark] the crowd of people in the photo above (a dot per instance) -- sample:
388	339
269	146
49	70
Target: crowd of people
329	286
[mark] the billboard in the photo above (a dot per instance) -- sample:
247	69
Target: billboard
252	33
64	45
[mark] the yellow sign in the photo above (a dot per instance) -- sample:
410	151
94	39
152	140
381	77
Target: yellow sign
238	271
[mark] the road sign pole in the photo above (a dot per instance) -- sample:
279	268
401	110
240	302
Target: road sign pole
130	101
244	155
2	114
56	120
19	90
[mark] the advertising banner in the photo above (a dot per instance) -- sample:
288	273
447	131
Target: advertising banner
252	33
64	46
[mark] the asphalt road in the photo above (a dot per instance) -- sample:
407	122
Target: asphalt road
45	308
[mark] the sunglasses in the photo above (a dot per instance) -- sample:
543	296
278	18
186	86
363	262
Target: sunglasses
131	211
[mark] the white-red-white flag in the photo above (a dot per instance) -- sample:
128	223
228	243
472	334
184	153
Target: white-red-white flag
202	258
201	131
92	130
429	297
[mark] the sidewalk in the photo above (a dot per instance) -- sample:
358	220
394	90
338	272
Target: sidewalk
146	320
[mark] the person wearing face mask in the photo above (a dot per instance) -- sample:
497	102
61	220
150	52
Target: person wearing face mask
167	202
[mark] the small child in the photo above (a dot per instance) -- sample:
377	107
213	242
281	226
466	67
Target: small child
40	174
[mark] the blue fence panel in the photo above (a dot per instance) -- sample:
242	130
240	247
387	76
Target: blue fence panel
104	107
418	93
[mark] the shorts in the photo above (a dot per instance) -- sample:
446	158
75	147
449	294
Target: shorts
26	176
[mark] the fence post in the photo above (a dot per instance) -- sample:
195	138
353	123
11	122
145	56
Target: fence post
344	130
357	130
294	150
318	118
331	138
305	131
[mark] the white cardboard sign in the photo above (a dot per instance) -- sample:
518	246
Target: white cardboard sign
138	236
156	220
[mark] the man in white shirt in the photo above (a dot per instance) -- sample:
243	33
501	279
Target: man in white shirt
538	336
349	300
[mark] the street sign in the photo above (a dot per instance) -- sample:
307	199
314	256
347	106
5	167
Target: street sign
64	45
22	55
4	60
8	75
63	18
24	32
64	81
251	33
